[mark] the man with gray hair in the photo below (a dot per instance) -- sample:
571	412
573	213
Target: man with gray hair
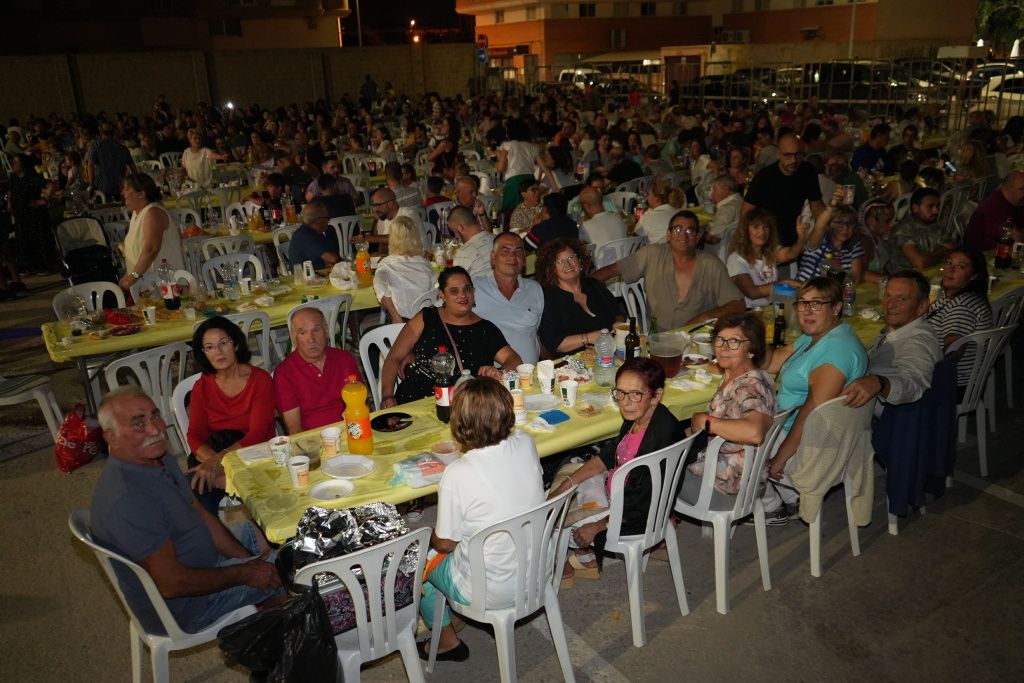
475	253
143	508
510	301
315	240
725	193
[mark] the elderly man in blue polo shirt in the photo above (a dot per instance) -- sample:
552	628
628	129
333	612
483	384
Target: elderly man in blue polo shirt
144	509
315	240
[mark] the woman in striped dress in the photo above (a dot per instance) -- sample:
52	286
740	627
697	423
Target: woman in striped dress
962	305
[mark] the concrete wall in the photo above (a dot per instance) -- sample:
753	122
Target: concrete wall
131	81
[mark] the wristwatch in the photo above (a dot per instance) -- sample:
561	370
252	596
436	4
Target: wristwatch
135	275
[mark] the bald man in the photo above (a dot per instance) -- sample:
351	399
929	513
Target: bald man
386	207
782	189
1006	203
308	383
599	226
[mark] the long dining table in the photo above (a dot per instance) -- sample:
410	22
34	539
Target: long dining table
277	506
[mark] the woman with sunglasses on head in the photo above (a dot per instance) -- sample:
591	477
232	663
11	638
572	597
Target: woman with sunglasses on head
835	233
647	426
813	369
477	344
231	406
576	308
742	408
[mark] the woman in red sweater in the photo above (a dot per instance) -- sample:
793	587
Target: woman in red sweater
232	405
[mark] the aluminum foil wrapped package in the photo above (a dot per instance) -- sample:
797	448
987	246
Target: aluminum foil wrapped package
324	533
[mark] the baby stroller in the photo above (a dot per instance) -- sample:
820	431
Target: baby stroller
84	251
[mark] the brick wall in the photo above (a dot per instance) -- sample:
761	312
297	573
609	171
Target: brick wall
131	81
35	85
270	78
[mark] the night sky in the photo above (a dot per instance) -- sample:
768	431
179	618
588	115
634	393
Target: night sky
394	15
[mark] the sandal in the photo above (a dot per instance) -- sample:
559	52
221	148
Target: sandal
583	571
568	580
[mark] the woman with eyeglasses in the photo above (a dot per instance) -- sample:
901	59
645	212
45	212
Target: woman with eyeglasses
742	408
813	369
576	308
962	305
647	426
231	405
834	238
477	344
523	216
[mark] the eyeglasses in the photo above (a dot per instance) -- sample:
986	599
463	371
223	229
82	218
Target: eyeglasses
633	396
377	205
567	260
732	344
687	230
219	346
138	422
813	304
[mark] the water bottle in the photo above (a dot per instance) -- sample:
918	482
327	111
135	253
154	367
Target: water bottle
168	286
604	365
849	298
463	378
443	365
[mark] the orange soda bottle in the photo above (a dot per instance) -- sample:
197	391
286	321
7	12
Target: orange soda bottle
357	417
363	272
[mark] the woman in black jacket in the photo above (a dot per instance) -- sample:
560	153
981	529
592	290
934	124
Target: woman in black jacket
647	426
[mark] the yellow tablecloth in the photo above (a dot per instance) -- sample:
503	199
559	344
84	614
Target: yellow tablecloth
276	506
167	331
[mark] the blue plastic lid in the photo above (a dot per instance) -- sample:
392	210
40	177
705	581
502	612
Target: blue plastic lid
783	289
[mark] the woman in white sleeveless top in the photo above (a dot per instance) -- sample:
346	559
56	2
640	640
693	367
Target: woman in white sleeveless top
152	234
197	161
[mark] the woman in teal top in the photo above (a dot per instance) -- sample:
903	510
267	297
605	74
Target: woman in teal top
814	368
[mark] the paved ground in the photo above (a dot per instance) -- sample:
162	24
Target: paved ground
939	602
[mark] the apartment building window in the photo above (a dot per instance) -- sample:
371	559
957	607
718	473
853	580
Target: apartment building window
618	38
737	6
648	9
226	27
531	13
499	16
559	10
824	3
760	5
588	9
679	8
241	3
620	9
799	4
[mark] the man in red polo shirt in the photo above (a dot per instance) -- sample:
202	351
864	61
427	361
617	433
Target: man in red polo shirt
307	384
986	224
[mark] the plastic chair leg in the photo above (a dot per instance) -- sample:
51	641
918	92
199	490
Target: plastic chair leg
635	584
721	565
675	564
852	523
158	655
815	538
348	666
410	658
435	632
990	400
894	529
962	428
761	533
51	411
553	611
982	439
505	642
137	646
1008	364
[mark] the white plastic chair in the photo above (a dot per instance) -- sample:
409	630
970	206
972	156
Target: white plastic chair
178	396
632	186
151	282
239	262
381	627
149	165
469	154
832	421
902	206
345	227
988	345
160	646
247	321
17	390
219	246
636	304
724	511
335	309
624	200
380	339
539	544
664	467
239	211
92	293
185	217
280	237
107	214
1006	310
156	371
612	252
97	197
116	232
171	159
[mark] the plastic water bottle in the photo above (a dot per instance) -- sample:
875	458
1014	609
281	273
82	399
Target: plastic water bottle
463	378
168	287
604	365
849	298
443	365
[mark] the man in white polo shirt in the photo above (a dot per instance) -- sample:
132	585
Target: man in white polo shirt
510	301
599	226
475	253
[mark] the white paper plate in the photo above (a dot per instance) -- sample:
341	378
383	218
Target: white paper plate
330	491
538	402
254	453
347	466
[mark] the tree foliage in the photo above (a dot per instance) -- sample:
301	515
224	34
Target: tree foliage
1000	22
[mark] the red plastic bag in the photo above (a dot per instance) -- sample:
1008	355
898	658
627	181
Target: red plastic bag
78	440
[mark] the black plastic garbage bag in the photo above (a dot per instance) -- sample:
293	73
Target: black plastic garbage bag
292	642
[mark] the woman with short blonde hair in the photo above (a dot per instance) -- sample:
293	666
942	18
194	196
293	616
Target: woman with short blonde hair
404	275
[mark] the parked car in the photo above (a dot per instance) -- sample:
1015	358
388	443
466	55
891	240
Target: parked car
1003	95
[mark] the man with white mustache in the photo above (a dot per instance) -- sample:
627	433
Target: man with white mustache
144	509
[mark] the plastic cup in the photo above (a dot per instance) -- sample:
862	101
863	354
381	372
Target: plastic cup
547	384
525	375
150	313
521	416
329	438
280	448
517	400
567	389
849	192
511	381
190	313
298	469
245	284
